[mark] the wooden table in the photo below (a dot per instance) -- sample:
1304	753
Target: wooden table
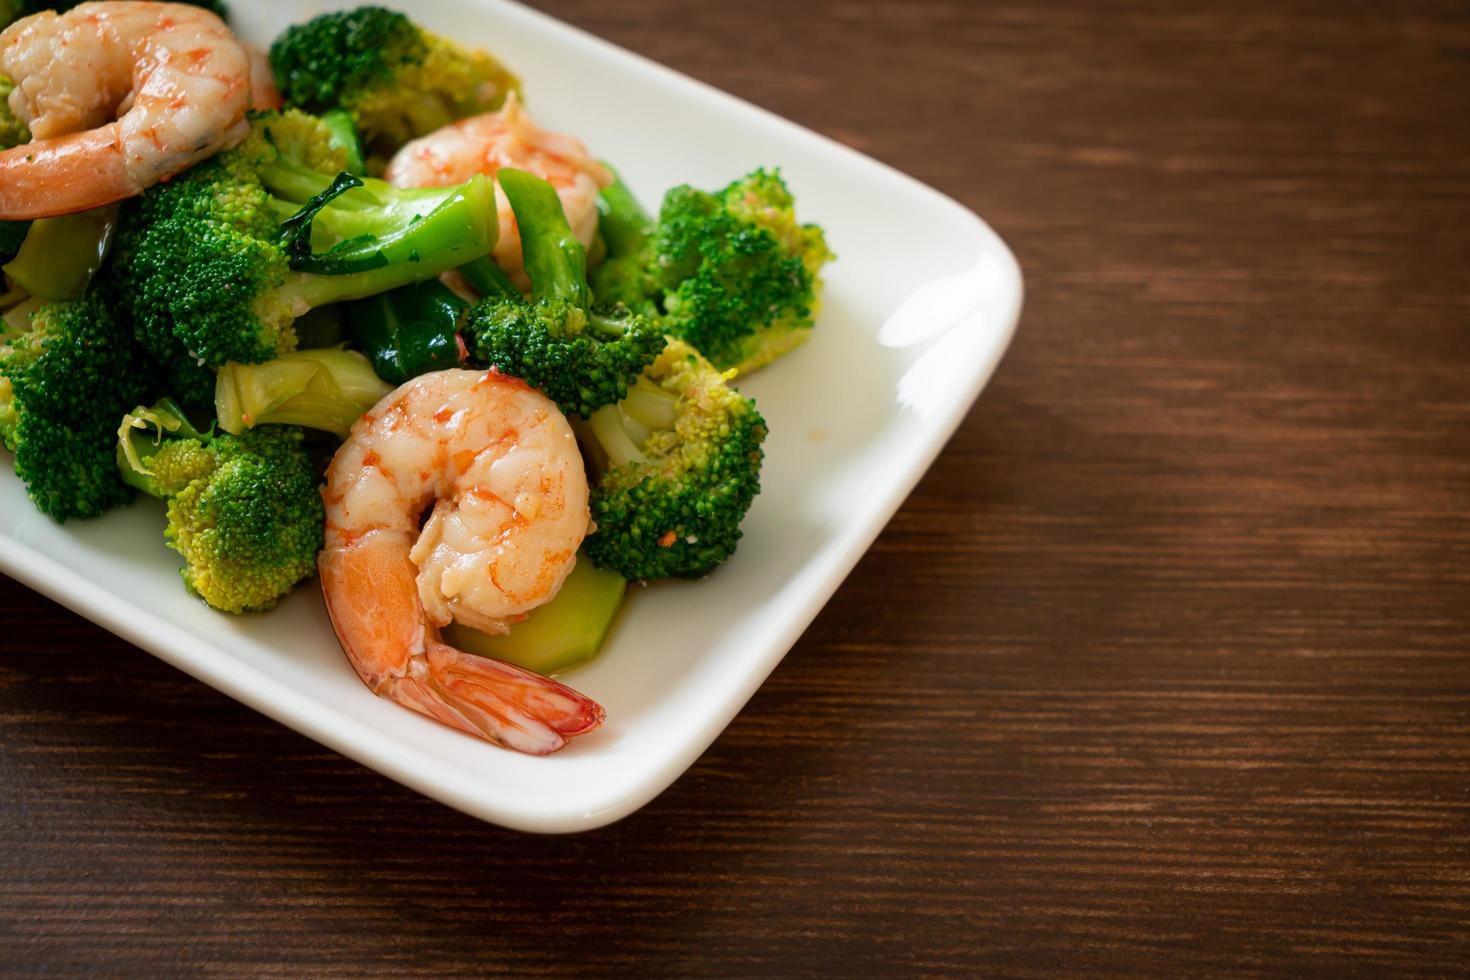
1163	668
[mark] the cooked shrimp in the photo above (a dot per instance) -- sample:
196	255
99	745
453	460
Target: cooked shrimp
118	96
263	92
507	138
500	466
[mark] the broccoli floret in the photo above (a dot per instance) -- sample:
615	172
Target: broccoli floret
244	511
319	389
581	358
394	78
68	370
679	462
215	265
733	271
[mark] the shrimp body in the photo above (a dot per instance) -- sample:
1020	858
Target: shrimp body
497	468
118	96
507	138
264	96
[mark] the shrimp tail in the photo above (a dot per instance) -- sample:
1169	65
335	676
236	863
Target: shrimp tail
503	703
374	607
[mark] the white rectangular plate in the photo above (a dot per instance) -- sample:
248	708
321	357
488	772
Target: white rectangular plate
919	309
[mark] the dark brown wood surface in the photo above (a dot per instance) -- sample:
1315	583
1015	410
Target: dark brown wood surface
1164	668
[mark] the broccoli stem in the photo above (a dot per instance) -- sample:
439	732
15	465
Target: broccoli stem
379	209
563	633
606	327
141	436
296	231
294	184
487	279
609	428
651	406
620	431
625	226
555	261
376	208
325	389
60	256
461	228
344	137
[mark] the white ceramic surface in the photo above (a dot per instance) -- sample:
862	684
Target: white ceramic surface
919	308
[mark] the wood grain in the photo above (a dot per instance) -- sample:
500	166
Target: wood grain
1162	669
